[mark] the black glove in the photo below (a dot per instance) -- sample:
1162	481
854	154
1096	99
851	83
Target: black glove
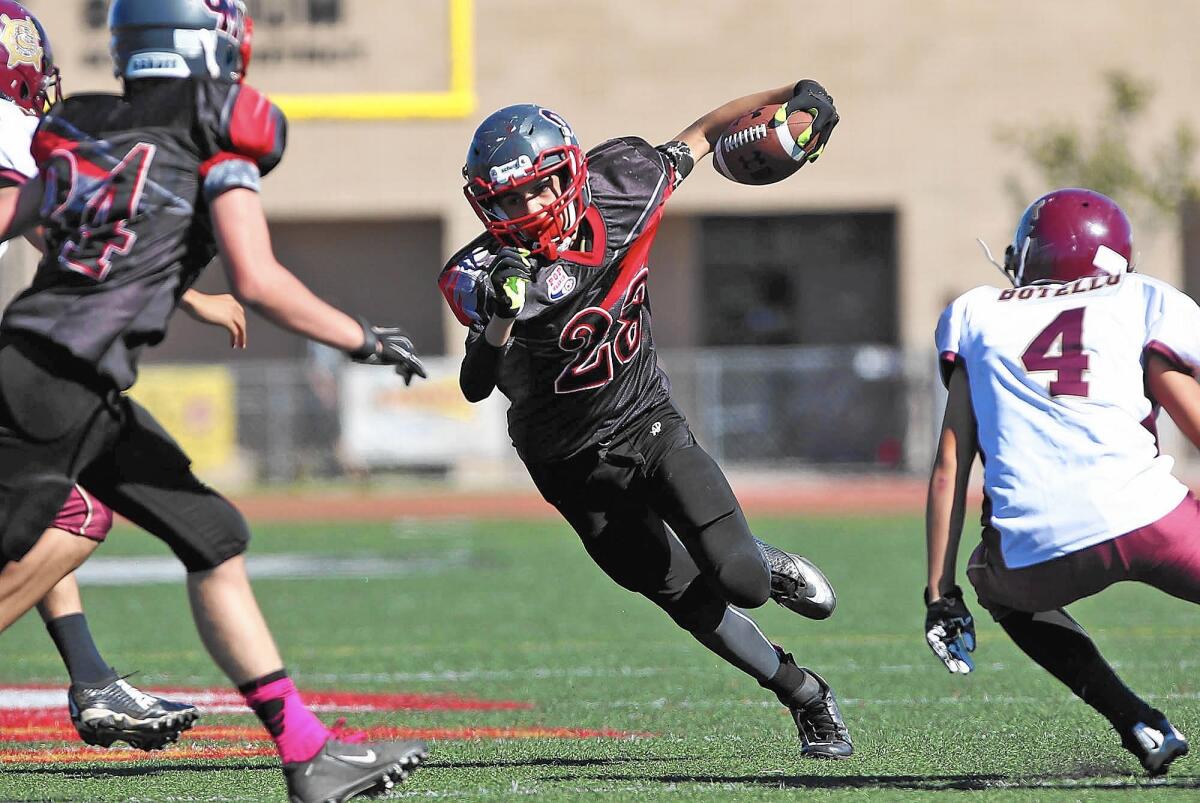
511	272
388	345
811	97
950	631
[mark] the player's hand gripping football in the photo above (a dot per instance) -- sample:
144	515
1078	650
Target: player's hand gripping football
811	97
510	273
950	631
389	345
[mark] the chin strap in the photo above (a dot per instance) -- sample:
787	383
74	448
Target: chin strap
987	252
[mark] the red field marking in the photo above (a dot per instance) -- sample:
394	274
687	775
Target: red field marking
33	698
34	714
257	736
771	496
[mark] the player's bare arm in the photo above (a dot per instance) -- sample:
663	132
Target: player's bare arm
949	628
260	282
19	208
946	501
1177	392
221	310
702	135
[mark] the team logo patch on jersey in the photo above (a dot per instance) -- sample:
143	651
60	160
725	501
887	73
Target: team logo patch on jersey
559	284
21	39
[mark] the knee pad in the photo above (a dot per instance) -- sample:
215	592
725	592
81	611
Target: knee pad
738	568
206	544
699	609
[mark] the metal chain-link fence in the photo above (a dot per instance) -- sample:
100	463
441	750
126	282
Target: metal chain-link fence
823	408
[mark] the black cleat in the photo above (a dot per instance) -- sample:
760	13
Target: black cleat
344	769
797	584
823	732
119	712
1155	743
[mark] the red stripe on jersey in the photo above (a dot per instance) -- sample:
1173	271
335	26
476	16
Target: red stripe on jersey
46	142
220	158
1168	354
638	254
253	125
594	256
12	178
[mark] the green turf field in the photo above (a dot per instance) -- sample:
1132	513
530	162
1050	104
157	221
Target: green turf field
515	611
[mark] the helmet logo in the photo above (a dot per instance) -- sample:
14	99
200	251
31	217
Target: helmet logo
229	14
21	39
518	168
554	117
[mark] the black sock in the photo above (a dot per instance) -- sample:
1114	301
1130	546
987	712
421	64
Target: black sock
1060	646
74	642
790	683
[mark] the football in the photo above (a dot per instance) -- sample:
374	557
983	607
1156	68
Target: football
760	146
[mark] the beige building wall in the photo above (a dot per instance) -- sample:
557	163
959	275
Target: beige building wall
923	86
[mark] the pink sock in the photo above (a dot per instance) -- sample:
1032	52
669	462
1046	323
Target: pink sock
297	733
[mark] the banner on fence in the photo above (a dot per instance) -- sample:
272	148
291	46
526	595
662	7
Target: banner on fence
386	424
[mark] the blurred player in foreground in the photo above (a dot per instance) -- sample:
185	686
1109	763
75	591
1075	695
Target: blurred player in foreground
555	296
1055	383
103	706
135	195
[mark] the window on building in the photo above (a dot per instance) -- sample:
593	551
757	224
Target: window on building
812	279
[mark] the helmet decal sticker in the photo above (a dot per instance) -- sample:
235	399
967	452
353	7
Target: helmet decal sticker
517	168
1110	261
21	39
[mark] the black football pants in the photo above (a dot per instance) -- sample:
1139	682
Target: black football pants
60	424
622	496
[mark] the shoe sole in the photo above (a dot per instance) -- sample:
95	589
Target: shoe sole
381	782
826	756
145	734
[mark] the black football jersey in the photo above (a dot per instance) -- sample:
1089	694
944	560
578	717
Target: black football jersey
126	221
581	362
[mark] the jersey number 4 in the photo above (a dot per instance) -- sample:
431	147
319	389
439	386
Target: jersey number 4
96	206
1059	348
587	334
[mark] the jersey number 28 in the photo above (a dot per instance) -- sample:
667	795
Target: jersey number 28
1068	361
587	335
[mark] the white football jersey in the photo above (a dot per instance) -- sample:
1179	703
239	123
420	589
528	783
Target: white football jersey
1066	433
16	134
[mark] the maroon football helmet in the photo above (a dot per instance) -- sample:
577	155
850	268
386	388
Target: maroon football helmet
27	71
1068	234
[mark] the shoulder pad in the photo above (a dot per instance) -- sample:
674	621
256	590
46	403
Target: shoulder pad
464	283
250	125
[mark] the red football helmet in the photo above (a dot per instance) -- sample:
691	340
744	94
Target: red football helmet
27	71
1068	234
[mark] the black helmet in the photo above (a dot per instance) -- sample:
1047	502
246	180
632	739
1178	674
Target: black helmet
179	38
513	147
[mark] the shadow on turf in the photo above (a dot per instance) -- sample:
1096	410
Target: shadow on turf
536	762
928	783
136	770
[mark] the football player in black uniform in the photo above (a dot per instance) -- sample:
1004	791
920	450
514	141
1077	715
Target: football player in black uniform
555	296
135	195
103	706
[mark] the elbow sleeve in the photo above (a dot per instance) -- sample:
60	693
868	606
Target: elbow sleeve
480	367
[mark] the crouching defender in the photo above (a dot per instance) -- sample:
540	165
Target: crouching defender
136	194
1056	383
555	295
